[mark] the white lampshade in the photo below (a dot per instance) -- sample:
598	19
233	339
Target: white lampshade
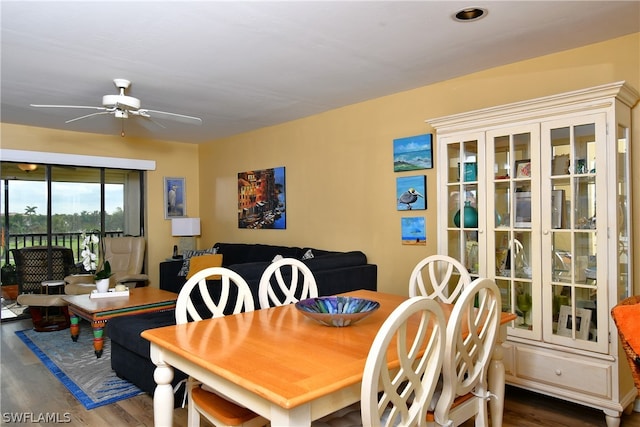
185	226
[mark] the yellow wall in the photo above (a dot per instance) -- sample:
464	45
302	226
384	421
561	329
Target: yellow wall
172	159
340	184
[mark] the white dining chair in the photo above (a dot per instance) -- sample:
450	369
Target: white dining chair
203	401
439	276
274	290
472	331
408	388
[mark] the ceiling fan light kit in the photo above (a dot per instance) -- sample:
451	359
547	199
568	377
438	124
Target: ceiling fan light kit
27	167
122	105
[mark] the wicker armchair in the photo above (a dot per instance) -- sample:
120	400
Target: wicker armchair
33	266
617	313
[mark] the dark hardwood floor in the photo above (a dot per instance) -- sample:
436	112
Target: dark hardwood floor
27	386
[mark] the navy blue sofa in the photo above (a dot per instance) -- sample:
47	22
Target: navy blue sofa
335	272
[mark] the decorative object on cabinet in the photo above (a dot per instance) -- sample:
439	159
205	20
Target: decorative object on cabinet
413	231
470	216
175	198
523	168
411	192
578	267
560	164
557	209
413	153
261	199
523	209
583	322
470	172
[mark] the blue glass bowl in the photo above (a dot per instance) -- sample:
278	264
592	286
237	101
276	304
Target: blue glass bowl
337	311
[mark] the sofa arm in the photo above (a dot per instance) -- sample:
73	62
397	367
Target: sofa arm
169	279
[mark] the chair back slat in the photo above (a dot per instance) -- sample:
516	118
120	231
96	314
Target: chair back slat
275	289
439	276
472	332
408	389
191	305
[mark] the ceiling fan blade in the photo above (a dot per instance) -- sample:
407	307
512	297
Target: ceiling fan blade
146	116
170	116
66	106
89	115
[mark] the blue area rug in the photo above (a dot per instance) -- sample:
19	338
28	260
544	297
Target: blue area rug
89	379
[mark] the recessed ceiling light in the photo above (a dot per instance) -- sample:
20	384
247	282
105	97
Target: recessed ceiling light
470	14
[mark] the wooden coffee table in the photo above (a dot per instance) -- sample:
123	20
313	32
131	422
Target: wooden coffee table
99	310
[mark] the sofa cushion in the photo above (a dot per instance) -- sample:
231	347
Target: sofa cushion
250	269
339	260
240	253
126	330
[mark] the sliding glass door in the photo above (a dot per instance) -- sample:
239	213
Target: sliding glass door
53	205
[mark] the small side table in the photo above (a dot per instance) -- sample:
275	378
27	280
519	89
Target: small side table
52	287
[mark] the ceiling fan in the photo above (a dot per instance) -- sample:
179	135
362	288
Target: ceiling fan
122	106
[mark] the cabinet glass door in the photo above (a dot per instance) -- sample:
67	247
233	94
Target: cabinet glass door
512	194
623	212
462	207
570	279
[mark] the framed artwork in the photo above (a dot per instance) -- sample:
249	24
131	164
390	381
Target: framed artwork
413	153
175	198
582	322
261	199
523	168
523	209
414	232
411	193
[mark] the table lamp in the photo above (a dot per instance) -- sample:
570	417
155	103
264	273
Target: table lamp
187	229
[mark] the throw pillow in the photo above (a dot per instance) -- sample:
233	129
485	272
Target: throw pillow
189	254
201	262
307	255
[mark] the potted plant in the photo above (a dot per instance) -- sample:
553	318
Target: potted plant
10	287
101	276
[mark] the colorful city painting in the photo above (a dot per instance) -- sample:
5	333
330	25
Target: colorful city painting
261	199
413	153
411	193
414	231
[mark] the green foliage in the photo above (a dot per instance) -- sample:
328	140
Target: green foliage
105	273
9	274
64	223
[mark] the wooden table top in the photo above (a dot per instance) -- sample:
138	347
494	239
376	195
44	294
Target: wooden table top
278	353
145	296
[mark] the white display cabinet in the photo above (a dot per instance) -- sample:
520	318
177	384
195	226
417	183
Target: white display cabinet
536	195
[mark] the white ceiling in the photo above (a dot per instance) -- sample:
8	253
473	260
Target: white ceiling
245	65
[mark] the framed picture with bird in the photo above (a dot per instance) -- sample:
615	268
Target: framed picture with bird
411	193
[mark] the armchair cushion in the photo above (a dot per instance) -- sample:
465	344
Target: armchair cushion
125	254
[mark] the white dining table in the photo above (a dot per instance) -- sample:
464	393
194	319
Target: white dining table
280	364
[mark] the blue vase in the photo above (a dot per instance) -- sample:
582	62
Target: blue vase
470	216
